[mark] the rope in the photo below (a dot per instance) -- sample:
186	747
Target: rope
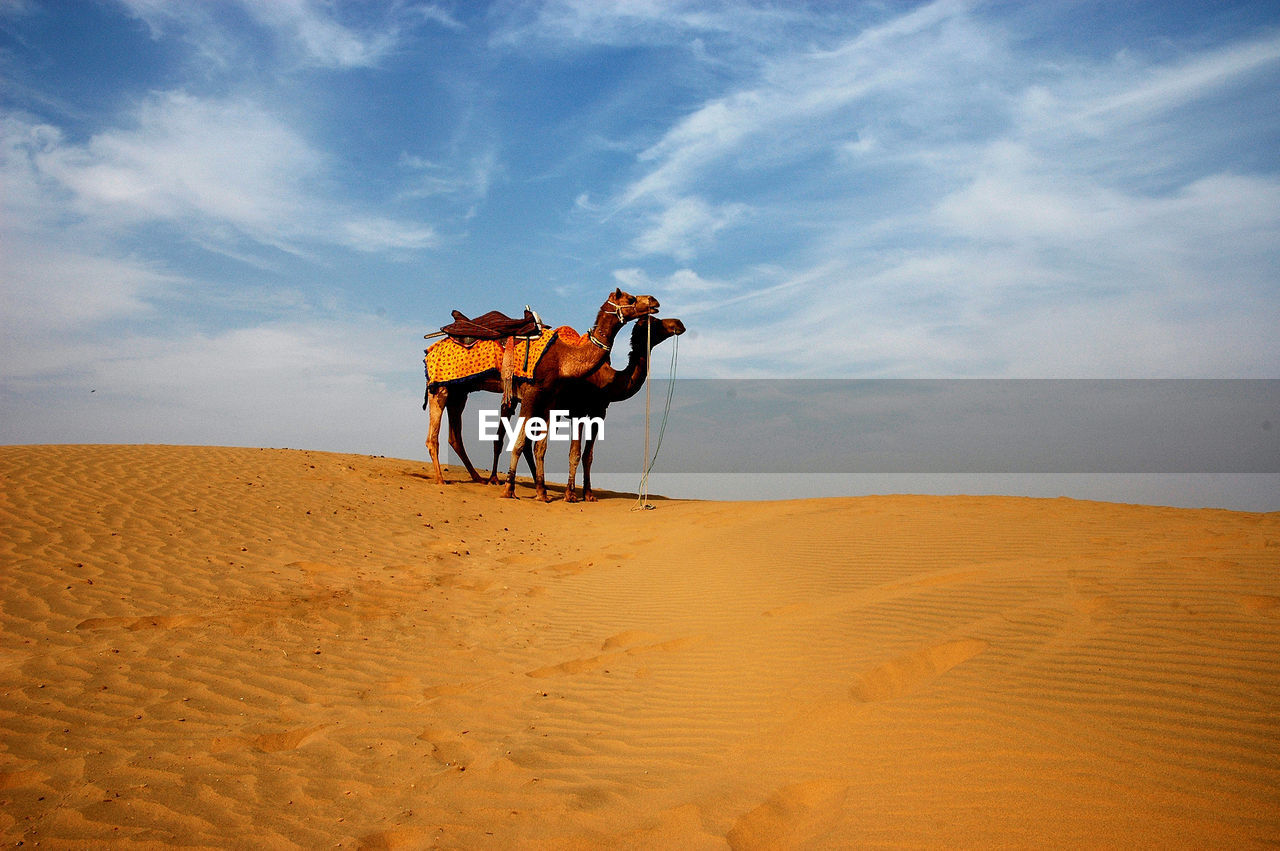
642	498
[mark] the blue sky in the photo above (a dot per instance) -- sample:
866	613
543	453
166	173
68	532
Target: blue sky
231	222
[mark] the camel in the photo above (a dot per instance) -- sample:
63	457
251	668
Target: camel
591	397
568	356
566	362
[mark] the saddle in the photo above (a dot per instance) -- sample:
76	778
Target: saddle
492	326
497	326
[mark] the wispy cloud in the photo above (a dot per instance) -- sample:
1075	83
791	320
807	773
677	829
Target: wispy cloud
226	160
301	29
682	283
1165	87
209	164
684	224
570	24
1024	238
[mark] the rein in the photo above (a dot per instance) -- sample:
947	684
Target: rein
642	497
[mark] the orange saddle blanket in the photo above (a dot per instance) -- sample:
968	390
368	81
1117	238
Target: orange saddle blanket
448	361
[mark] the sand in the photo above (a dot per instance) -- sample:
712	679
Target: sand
273	648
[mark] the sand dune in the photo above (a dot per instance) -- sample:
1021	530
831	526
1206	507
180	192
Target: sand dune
237	647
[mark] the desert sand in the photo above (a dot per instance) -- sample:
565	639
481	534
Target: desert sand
277	648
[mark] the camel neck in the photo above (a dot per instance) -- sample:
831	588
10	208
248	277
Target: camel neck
605	329
628	382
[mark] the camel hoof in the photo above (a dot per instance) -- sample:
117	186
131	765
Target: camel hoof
544	497
570	496
589	497
507	494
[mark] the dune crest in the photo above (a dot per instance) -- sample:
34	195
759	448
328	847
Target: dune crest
213	646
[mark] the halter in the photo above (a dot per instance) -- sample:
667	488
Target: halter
617	311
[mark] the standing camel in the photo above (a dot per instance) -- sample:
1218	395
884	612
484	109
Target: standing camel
571	359
567	356
591	397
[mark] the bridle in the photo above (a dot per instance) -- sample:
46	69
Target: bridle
617	311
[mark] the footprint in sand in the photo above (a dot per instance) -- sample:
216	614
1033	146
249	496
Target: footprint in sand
910	672
569	568
791	817
396	839
314	566
451	749
447	690
630	638
633	641
573	666
136	624
286	740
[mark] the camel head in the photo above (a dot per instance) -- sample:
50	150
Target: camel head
651	331
627	307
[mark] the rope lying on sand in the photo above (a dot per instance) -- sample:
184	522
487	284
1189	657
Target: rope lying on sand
642	497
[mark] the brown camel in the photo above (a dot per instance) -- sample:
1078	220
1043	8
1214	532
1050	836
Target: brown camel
567	356
591	397
567	362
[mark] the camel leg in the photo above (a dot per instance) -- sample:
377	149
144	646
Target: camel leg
575	451
455	405
504	430
588	455
533	406
509	492
505	413
435	406
539	481
533	456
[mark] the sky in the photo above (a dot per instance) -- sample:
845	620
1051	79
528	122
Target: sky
231	222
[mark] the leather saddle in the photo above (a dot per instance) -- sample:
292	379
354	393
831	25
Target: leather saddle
492	326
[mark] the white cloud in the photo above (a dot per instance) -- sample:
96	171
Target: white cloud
808	106
207	164
225	160
45	289
303	28
684	225
682	282
1163	88
321	39
978	213
437	14
568	24
469	181
382	235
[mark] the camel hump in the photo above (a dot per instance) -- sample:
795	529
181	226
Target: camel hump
570	337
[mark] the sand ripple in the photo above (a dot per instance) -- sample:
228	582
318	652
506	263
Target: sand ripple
220	647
